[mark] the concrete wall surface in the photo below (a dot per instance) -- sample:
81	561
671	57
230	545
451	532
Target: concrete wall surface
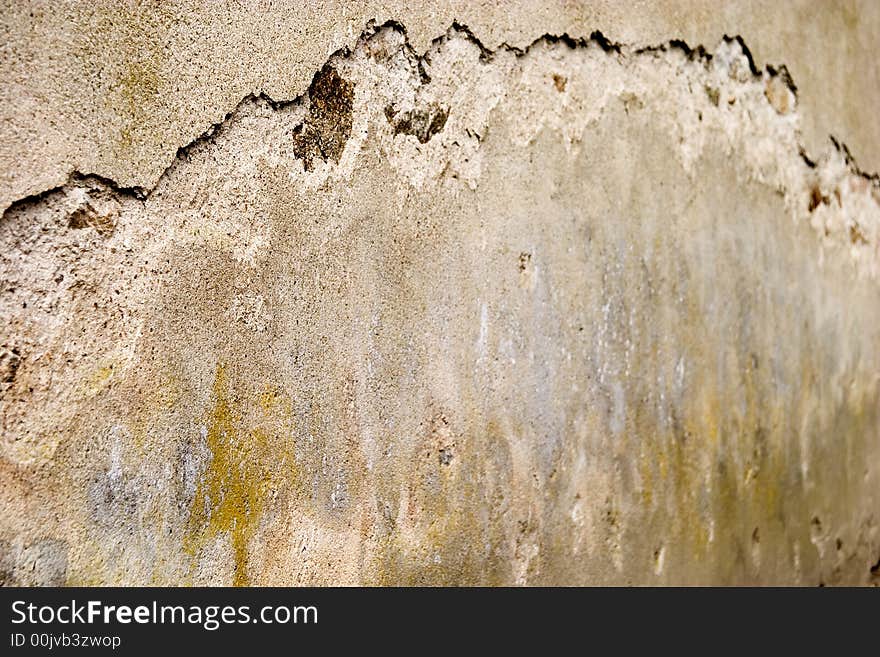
445	293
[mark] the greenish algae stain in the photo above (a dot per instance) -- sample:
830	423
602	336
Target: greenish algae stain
232	492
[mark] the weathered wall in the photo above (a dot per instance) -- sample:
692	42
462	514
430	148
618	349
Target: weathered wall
482	305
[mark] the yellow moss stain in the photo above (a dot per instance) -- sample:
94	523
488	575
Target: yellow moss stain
444	537
233	490
717	475
102	375
108	370
268	399
646	477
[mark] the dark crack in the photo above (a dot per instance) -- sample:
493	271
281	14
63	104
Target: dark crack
843	149
328	125
783	74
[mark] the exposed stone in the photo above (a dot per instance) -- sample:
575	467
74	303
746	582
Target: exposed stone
421	123
327	127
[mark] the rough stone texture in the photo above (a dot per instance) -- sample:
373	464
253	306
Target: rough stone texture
565	311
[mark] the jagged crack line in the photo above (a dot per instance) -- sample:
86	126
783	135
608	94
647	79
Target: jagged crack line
697	53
